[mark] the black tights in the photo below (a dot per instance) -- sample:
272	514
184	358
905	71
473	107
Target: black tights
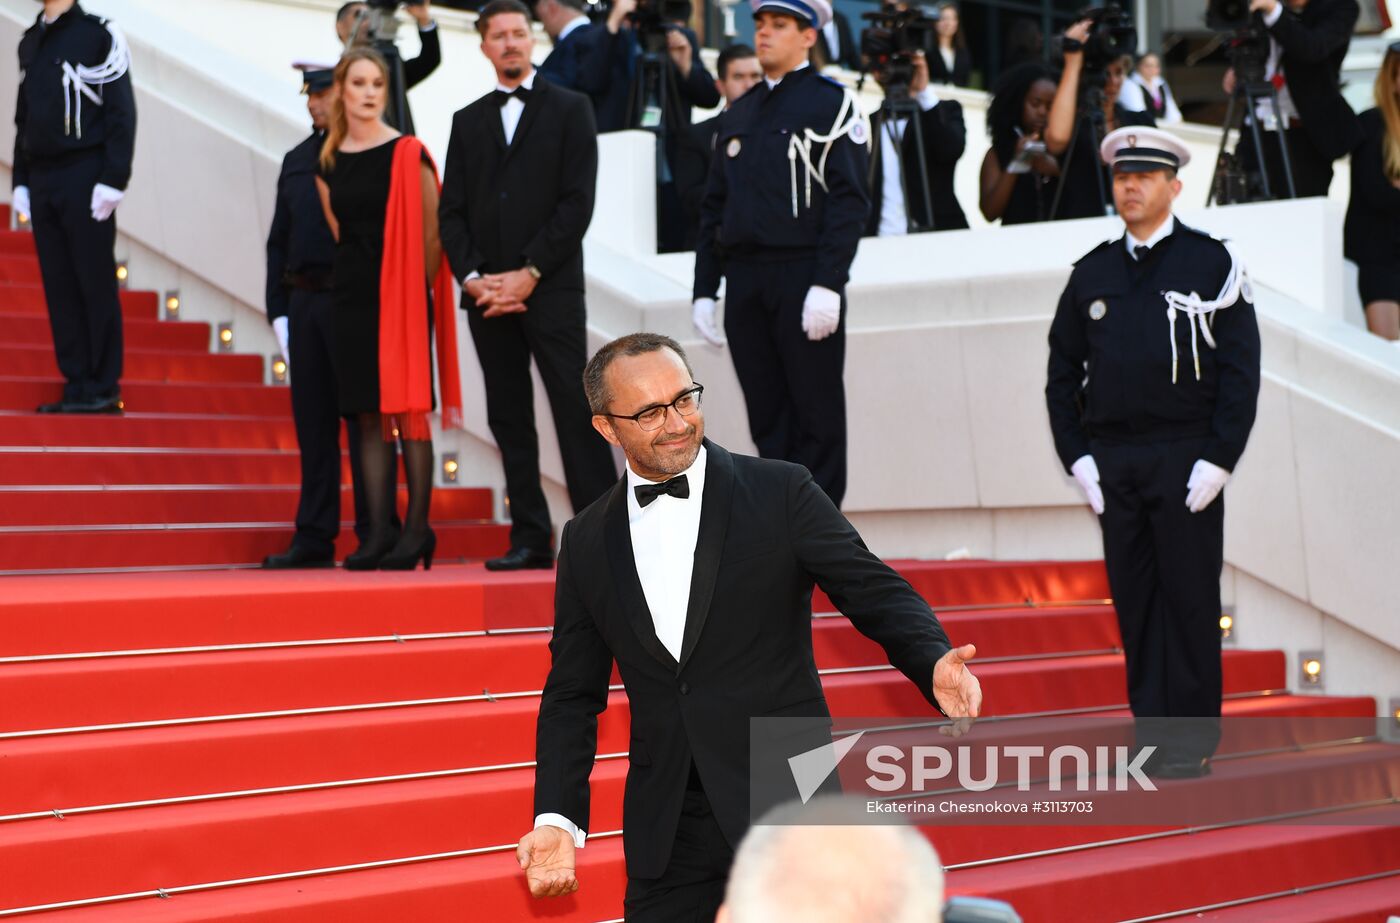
378	462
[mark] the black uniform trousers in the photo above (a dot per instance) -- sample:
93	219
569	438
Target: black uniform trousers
1312	169
1164	564
315	408
552	330
793	387
692	887
79	270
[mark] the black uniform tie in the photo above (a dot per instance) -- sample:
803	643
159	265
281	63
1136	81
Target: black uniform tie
677	487
503	96
1140	252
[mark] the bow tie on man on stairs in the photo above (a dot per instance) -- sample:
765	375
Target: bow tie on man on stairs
677	487
503	96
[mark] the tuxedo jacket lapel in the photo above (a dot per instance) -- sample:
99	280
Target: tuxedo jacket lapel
709	544
617	535
492	114
538	100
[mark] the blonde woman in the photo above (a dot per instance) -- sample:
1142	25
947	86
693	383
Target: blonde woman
380	193
1372	234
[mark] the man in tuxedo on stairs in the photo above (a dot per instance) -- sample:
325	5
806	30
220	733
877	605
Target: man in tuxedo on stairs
695	574
517	197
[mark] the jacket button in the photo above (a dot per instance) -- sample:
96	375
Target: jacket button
685	688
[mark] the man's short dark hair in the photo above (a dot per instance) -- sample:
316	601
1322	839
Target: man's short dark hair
634	344
731	54
499	7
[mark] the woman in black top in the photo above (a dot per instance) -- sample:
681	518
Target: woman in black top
1017	184
950	62
1083	195
1372	232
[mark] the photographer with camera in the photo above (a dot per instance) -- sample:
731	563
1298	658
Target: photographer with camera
637	26
910	195
1086	110
371	22
1307	40
1017	172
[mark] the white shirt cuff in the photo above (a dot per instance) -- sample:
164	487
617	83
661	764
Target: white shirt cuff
470	276
1271	18
563	823
927	98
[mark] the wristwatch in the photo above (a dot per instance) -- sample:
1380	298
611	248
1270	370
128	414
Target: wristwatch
534	271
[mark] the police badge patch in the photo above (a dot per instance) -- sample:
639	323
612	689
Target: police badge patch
1098	309
858	133
733	149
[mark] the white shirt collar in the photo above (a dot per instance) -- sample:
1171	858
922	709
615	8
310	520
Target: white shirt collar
1133	243
528	83
695	476
773	83
573	24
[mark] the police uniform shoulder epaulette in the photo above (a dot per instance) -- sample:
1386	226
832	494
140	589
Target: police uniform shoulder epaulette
832	81
1102	247
1197	232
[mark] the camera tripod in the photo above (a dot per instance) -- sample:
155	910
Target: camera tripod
897	105
1090	116
1251	90
381	28
653	99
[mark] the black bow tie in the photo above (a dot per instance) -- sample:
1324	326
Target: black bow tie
502	96
677	487
1140	252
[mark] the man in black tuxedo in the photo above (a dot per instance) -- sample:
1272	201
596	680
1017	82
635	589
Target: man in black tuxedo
580	57
517	197
695	574
897	183
739	72
1308	40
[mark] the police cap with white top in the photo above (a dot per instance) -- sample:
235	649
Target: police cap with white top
1138	149
813	14
315	77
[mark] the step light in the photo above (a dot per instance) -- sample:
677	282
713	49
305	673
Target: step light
1227	625
1393	725
1310	669
19	222
226	337
279	370
449	467
172	304
122	273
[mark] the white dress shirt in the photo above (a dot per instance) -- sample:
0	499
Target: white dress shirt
1286	110
664	533
1133	243
514	108
893	219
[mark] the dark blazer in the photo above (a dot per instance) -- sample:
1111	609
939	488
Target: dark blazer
1372	230
610	103
429	57
581	60
961	73
945	137
1314	43
299	239
847	52
530	202
767	535
695	147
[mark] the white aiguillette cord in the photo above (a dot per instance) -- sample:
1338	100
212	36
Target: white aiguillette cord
849	116
79	80
1202	313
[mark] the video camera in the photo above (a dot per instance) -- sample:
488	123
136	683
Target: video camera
1110	37
1248	45
888	44
651	18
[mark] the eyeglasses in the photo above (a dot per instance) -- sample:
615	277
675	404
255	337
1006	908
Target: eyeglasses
651	418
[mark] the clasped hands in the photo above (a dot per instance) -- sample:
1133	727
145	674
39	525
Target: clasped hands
501	293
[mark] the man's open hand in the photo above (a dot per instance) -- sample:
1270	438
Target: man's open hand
957	690
546	854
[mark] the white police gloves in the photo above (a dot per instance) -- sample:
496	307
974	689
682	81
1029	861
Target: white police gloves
20	201
1086	472
279	327
104	201
821	313
702	315
1204	485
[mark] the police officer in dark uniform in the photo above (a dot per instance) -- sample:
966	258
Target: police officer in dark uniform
784	209
75	132
1152	386
300	252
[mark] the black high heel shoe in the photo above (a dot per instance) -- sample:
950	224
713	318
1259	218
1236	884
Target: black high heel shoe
371	551
407	552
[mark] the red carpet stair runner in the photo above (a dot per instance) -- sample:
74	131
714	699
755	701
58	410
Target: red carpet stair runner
185	743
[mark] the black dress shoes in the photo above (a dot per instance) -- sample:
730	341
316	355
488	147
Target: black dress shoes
51	407
522	559
97	405
1179	767
297	558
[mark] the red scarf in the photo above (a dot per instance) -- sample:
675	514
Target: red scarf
405	360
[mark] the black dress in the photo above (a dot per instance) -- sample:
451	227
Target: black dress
1081	196
1030	196
359	184
1371	237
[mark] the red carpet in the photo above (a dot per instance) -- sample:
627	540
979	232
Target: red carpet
336	683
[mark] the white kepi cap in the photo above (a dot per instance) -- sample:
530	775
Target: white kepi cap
816	13
1138	149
